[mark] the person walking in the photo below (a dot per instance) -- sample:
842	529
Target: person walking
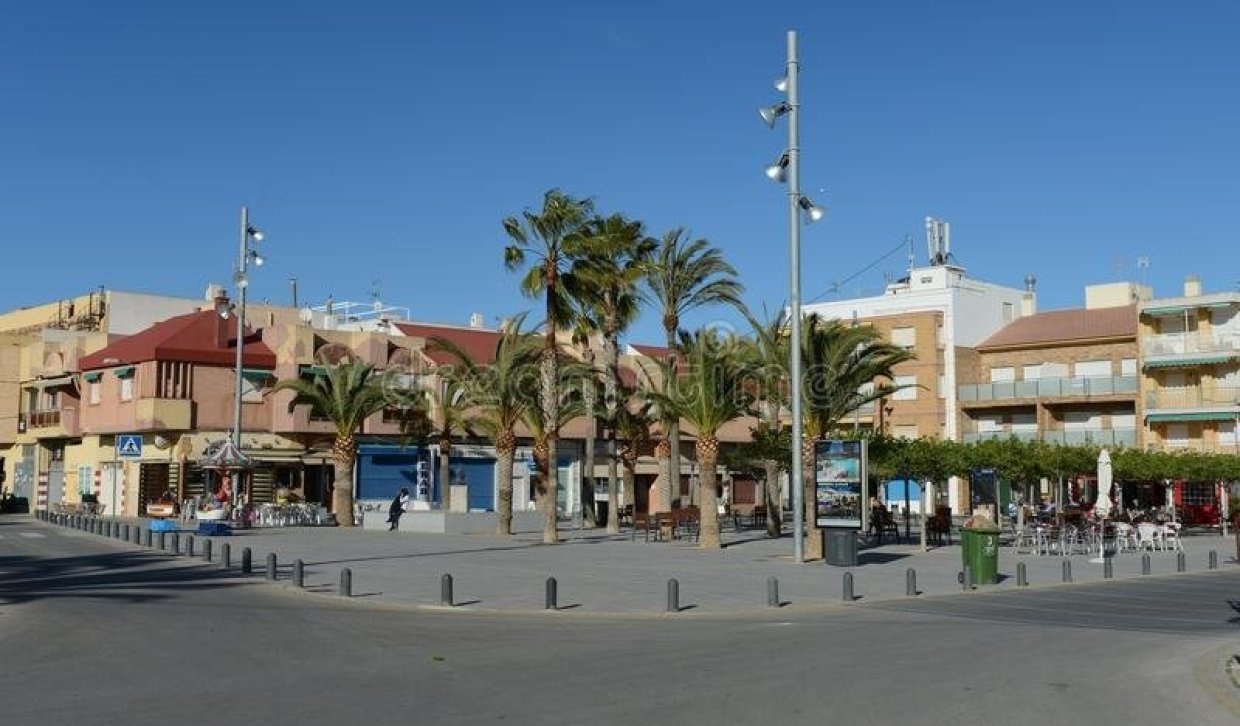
397	508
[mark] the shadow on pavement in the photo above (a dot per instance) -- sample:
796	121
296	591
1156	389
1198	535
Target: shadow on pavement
123	576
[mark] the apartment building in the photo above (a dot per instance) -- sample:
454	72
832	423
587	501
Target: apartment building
1190	370
1062	376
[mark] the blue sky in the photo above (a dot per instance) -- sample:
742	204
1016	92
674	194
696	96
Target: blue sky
385	141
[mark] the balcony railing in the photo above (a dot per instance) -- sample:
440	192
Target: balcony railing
1060	387
43	419
1220	397
1188	343
1067	437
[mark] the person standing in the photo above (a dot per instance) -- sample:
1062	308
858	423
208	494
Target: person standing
397	508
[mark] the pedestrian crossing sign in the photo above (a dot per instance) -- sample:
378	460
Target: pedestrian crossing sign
129	446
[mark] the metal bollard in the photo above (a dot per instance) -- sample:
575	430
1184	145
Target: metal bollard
189	545
1181	562
847	591
163	542
1213	559
772	592
271	566
551	595
673	595
445	590
1067	570
246	561
346	582
1145	564
137	534
206	550
146	538
176	543
299	573
225	555
1108	568
1022	575
910	582
966	579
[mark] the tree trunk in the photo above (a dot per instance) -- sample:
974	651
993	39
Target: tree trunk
630	484
663	479
673	433
445	473
813	537
551	470
342	493
708	502
611	393
590	393
774	508
505	452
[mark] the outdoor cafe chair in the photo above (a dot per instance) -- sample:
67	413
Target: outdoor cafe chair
1125	537
1171	537
1147	537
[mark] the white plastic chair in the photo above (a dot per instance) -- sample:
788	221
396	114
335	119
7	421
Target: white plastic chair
1171	537
1125	537
1147	536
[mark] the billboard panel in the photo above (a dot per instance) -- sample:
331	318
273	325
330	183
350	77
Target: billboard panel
841	483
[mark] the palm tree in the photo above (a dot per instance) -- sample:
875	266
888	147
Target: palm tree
611	257
632	422
584	327
712	393
768	351
543	430
449	421
495	393
684	275
346	394
844	368
541	236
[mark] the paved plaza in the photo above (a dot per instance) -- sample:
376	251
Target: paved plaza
599	573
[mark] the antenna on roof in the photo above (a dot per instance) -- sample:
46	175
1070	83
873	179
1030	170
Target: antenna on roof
938	241
1143	265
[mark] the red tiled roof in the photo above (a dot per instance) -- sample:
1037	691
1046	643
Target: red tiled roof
191	338
478	344
658	352
1066	326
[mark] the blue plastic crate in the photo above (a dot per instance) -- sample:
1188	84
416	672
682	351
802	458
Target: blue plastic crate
214	529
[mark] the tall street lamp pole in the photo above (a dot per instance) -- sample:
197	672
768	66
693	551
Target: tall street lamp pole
246	254
788	168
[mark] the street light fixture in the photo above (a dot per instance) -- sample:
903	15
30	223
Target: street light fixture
788	167
249	236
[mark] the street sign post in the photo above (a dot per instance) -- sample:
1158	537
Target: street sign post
129	446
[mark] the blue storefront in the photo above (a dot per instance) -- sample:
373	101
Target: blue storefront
383	470
478	475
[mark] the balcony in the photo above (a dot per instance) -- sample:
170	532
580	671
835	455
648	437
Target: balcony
50	423
164	414
1067	437
1062	387
1191	343
1189	398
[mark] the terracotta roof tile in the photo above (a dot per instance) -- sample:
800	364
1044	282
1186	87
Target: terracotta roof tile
479	344
1065	326
201	337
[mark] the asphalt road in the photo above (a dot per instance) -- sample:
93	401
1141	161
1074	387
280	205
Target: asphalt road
95	632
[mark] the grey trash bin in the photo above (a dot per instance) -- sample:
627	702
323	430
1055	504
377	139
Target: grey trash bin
840	546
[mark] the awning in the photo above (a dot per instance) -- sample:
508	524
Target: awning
312	371
92	376
123	372
254	374
1169	416
1189	361
1173	309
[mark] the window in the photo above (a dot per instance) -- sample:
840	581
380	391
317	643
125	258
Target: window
1009	312
1176	435
1024	423
86	480
1128	367
1088	368
251	390
904	431
1079	420
988	424
53	399
1002	375
1032	373
942	385
1123	421
905	394
94	390
1227	433
906	337
126	389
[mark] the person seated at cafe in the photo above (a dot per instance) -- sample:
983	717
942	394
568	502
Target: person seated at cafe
878	513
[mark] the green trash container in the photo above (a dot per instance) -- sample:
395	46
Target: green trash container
979	548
